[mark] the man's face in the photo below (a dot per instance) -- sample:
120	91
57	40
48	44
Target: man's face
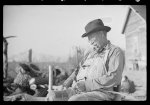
97	40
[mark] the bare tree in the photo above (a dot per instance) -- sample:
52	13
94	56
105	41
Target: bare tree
77	57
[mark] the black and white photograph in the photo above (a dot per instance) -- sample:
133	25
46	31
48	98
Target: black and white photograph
74	53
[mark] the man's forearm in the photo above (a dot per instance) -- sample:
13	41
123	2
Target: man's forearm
72	77
69	80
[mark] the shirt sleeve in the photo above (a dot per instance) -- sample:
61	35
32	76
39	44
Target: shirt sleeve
114	74
67	83
70	79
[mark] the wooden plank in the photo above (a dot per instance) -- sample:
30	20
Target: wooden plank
50	79
51	94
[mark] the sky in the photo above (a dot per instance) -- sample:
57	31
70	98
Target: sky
55	29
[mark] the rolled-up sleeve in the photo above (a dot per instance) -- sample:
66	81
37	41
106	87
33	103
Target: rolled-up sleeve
114	72
70	79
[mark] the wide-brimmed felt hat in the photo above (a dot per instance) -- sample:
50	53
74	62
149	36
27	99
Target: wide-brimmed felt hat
94	26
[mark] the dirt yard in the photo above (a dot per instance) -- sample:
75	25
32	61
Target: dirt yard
140	80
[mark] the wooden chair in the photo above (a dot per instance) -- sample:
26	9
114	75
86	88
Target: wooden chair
118	97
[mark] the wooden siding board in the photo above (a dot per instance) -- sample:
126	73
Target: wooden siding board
133	23
140	9
137	11
135	33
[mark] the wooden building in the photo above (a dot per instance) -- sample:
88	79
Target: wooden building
135	33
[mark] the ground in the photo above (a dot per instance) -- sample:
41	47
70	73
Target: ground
140	80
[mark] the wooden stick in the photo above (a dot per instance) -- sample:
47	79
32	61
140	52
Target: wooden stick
50	79
51	94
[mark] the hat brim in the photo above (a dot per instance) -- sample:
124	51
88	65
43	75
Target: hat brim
105	28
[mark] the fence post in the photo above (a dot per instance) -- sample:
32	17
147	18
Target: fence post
5	56
5	59
51	95
30	55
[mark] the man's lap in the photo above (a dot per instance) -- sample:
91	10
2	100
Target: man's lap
71	95
91	96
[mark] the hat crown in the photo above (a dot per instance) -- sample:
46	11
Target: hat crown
94	24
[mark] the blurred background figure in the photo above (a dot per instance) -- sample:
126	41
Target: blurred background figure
127	85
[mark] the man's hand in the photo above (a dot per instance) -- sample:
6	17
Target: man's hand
80	86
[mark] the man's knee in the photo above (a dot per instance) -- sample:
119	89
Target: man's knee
78	97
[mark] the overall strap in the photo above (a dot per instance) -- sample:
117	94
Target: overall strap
107	56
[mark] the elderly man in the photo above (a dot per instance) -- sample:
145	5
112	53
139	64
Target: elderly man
99	71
